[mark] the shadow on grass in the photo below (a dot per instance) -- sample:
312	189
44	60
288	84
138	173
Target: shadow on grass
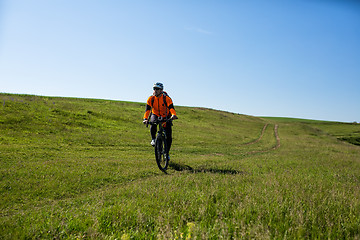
180	167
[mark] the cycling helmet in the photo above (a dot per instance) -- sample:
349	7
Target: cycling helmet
158	85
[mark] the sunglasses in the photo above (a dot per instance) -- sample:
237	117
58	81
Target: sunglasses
157	88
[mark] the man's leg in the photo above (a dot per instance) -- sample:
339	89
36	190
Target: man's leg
153	128
168	130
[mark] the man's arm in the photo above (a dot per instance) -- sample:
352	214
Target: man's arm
147	110
171	108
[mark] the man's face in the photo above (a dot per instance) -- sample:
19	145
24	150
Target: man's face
157	91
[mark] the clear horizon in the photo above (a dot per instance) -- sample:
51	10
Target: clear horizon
296	59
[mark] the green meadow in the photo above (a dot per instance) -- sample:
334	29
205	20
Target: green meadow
84	169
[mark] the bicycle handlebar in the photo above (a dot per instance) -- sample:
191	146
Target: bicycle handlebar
159	120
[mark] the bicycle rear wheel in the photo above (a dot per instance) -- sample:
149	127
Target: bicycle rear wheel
160	153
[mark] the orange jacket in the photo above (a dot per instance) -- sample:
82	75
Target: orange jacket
158	107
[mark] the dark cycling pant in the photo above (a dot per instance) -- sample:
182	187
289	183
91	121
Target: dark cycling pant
168	131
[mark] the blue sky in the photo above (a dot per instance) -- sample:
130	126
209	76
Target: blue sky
298	58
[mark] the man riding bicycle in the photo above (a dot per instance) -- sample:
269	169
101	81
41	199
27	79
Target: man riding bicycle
160	105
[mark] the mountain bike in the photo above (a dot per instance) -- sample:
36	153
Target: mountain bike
161	148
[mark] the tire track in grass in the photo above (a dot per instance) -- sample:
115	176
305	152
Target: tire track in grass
179	167
277	145
261	135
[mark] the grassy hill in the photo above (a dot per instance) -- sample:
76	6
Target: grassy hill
84	169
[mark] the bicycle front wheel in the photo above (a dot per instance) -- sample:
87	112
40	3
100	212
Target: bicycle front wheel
160	153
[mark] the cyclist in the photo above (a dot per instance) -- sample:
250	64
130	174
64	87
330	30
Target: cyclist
160	105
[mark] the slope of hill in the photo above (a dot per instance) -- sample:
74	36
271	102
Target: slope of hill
84	168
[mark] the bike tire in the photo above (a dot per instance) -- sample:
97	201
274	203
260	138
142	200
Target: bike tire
160	153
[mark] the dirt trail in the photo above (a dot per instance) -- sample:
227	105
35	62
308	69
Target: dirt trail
277	137
277	145
261	135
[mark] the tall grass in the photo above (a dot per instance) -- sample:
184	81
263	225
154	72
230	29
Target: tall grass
84	169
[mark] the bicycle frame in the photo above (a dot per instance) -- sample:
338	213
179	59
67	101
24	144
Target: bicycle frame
162	128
